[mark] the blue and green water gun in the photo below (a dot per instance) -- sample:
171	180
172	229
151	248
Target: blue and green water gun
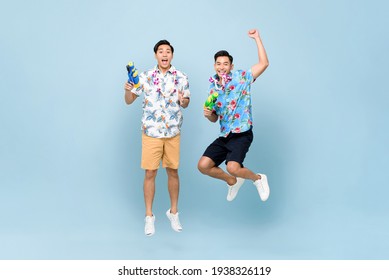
132	74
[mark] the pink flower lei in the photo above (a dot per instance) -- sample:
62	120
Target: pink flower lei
225	80
156	79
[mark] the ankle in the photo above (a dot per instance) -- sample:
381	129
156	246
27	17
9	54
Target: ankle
231	181
257	177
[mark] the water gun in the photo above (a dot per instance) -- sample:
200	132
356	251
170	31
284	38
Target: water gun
132	74
211	101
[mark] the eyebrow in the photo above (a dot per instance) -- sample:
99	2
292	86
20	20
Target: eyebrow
164	49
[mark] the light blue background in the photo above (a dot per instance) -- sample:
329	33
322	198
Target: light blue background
71	185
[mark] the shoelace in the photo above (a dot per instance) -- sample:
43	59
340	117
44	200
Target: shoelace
174	218
149	223
260	187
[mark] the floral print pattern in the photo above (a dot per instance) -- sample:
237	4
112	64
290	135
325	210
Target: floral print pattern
162	116
233	105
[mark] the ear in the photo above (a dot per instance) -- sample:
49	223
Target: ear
232	66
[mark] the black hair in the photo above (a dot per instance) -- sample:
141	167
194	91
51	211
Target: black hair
162	42
224	53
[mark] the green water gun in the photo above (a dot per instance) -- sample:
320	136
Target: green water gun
211	101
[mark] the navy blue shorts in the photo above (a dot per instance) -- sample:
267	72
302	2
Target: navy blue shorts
234	147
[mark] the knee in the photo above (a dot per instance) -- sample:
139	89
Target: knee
173	173
233	168
202	167
150	174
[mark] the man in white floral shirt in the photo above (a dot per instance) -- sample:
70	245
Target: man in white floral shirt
165	92
233	110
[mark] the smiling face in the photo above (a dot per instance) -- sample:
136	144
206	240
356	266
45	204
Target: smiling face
164	56
223	66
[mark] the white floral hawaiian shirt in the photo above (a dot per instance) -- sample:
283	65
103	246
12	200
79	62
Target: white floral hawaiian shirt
162	115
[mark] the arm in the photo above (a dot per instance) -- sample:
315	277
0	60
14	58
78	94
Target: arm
210	115
129	96
263	62
183	92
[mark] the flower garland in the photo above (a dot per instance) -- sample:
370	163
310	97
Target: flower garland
156	80
225	80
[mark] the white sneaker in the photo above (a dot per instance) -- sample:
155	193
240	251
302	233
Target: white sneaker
262	187
233	190
174	221
149	225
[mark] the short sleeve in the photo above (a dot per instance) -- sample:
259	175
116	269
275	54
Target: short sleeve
246	76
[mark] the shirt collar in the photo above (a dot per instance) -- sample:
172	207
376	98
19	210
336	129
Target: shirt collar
215	79
171	70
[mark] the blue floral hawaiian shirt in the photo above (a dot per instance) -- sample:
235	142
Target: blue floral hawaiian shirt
162	116
233	105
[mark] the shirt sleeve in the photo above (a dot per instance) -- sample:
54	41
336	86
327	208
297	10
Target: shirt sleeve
247	76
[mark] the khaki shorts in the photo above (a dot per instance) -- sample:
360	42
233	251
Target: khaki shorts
156	149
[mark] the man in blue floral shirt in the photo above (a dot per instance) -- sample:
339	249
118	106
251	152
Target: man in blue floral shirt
165	92
233	110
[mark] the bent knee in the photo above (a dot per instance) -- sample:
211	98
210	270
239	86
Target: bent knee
204	165
233	168
201	167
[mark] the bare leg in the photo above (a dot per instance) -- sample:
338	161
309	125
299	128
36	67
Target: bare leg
174	188
207	167
236	170
149	190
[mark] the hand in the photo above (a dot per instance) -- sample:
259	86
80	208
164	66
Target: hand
253	33
210	115
128	86
207	113
129	96
180	97
182	100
